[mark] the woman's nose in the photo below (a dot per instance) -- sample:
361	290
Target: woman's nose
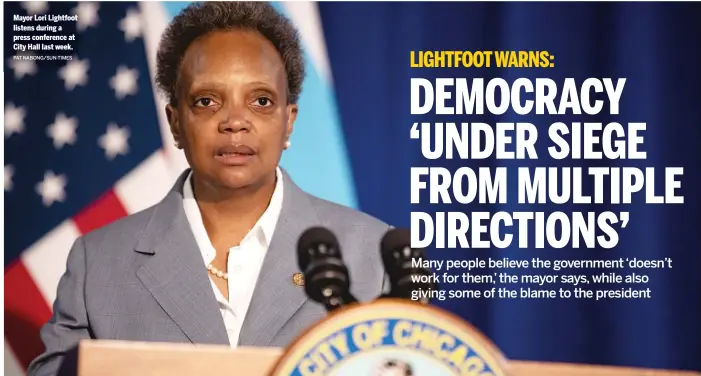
234	122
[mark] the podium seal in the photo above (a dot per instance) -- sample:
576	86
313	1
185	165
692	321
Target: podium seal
391	338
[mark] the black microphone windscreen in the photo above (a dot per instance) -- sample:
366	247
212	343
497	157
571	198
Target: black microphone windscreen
395	242
398	259
326	278
396	238
310	240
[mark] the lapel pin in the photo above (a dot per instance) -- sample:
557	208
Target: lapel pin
298	279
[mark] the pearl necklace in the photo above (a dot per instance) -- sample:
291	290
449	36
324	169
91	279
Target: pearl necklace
217	272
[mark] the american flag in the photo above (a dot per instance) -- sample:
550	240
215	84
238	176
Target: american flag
84	146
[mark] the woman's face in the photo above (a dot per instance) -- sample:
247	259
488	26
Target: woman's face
232	118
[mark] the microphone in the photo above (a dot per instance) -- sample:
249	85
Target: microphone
326	277
406	281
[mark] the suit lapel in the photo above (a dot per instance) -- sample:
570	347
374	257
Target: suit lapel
276	298
175	274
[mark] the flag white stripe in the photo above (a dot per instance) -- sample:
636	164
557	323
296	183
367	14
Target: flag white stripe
146	185
45	260
305	16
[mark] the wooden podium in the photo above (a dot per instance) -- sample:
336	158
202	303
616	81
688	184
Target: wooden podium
114	358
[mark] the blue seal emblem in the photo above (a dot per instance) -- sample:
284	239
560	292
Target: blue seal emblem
391	338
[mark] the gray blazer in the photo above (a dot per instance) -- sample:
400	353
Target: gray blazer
142	278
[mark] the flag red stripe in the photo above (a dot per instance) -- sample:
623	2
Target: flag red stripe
104	210
26	311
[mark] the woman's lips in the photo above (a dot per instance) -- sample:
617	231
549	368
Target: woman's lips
235	155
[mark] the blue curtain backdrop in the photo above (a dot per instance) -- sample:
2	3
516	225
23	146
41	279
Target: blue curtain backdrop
657	47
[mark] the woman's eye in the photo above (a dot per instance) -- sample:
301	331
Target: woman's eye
203	102
263	102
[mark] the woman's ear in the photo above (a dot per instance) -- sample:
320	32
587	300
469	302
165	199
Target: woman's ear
292	110
174	123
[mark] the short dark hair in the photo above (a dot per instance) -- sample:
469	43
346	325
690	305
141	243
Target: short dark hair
201	18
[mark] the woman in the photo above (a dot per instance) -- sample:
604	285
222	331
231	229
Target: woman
214	262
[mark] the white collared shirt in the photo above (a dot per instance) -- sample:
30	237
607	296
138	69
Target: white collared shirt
244	261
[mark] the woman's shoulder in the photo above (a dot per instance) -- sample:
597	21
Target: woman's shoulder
341	215
329	213
124	231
